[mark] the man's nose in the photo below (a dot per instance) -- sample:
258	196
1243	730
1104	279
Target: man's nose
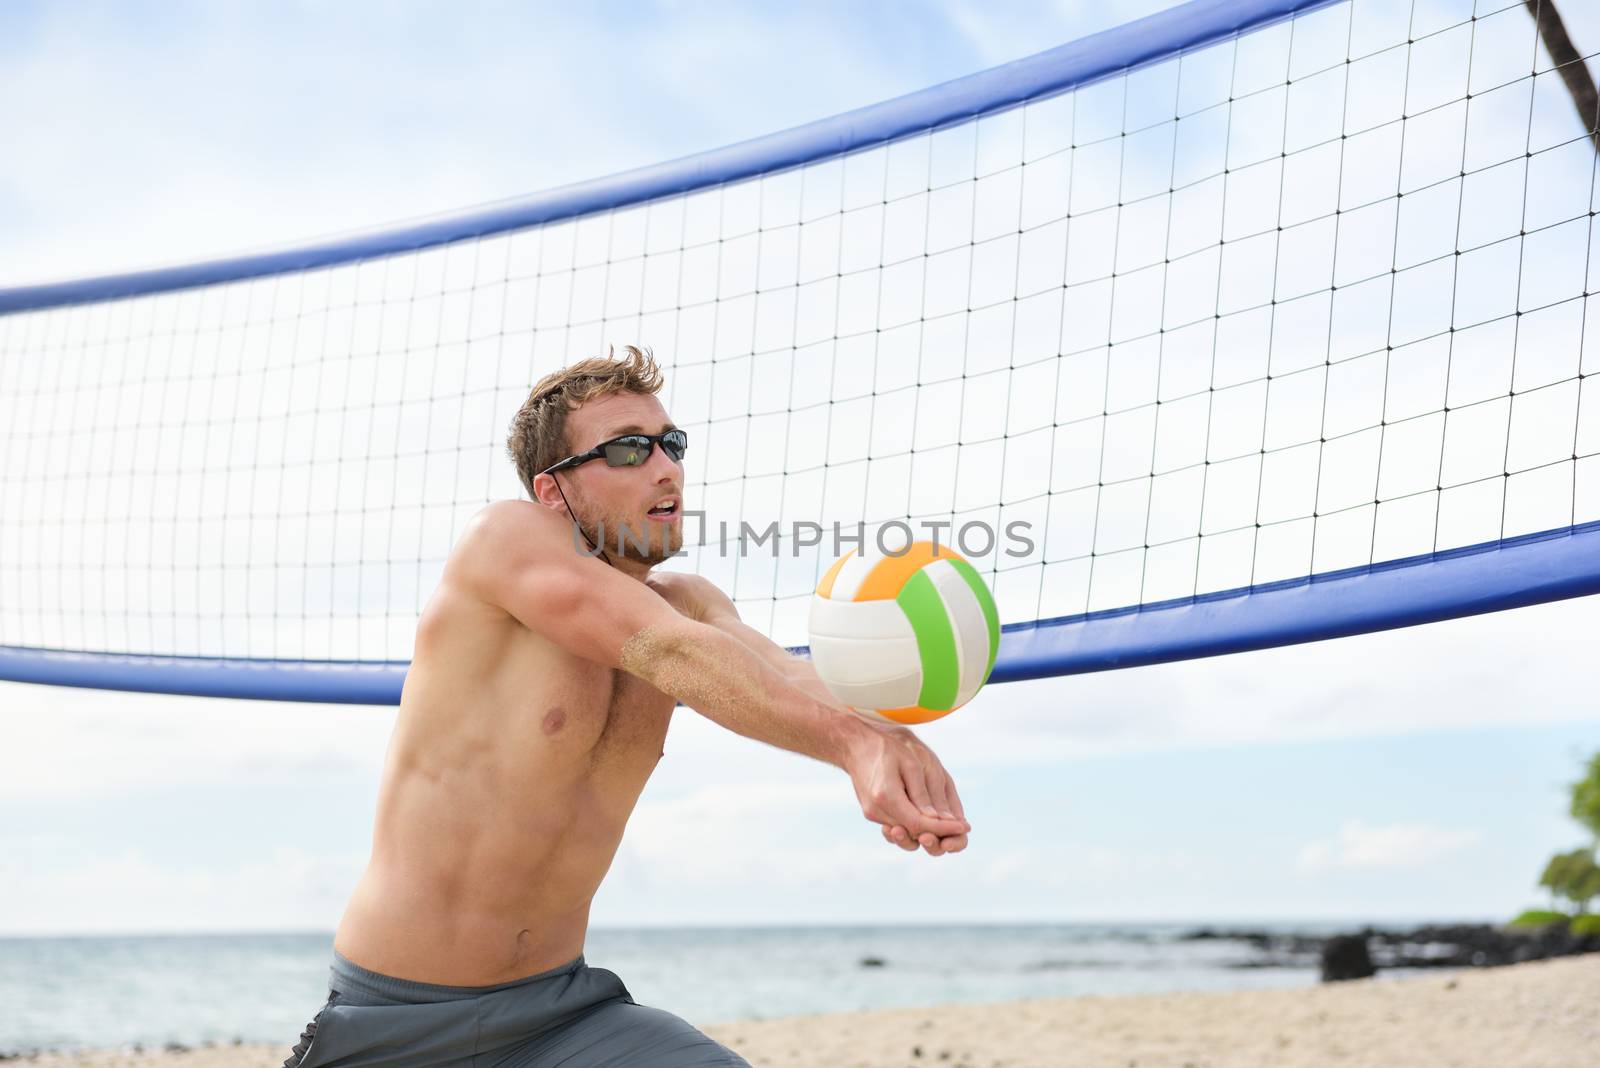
664	468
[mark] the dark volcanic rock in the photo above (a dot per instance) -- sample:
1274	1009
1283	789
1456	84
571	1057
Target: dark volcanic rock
1430	946
1346	957
1277	949
1476	945
1202	935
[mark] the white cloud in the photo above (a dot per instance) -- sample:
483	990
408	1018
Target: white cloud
1442	676
752	851
332	119
1094	866
1387	847
1001	32
61	742
287	888
750	832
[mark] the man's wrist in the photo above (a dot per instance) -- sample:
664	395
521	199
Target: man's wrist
849	732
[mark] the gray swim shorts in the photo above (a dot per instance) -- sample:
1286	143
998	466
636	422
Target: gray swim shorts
573	1016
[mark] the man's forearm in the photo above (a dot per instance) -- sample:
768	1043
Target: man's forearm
730	684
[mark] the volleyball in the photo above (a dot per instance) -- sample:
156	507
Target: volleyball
906	637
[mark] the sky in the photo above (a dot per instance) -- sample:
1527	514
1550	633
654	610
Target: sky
149	124
1413	774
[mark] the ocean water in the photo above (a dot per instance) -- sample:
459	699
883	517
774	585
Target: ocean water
105	992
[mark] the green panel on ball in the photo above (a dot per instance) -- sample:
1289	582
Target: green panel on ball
936	641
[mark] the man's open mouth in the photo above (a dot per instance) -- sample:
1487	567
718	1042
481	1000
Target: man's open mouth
665	509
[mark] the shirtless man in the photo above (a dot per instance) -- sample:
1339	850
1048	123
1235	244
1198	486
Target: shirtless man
536	705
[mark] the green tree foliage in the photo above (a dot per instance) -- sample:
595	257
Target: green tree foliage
1586	798
1542	918
1574	876
1585	882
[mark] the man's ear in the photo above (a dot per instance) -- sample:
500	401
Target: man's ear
547	493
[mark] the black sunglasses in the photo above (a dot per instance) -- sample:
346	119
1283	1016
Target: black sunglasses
629	450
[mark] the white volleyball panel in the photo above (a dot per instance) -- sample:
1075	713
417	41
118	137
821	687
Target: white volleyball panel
866	652
891	693
835	618
853	573
967	622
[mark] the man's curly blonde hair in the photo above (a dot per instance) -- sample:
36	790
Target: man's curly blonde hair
538	436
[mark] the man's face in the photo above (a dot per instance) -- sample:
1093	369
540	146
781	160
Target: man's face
642	505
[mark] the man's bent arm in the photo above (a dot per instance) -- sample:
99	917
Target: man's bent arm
520	556
894	774
703	601
726	681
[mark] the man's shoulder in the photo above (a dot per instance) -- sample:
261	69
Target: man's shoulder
516	520
504	536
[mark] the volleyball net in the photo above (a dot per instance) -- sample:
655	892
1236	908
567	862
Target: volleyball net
1244	324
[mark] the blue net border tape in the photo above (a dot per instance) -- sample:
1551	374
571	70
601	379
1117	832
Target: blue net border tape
1511	573
334	681
1187	26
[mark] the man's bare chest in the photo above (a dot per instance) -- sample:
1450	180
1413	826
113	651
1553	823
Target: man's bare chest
607	715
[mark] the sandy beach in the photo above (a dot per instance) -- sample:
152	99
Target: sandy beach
1537	1014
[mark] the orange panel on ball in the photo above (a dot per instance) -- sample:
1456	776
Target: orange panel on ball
913	714
888	576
